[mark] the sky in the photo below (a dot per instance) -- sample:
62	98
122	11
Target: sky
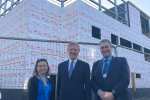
144	5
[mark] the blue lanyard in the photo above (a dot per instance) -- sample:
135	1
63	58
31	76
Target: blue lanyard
107	65
46	88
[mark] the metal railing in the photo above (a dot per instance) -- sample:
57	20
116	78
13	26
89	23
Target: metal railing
62	2
17	61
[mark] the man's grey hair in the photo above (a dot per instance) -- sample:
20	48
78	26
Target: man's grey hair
105	40
73	43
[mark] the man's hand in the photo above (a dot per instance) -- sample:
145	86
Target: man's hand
107	96
101	94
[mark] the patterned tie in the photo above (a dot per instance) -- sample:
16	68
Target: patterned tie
105	67
71	69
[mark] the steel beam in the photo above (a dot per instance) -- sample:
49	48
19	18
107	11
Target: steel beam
5	5
62	3
17	2
12	2
116	9
111	2
121	12
108	10
0	5
57	41
121	18
94	2
121	8
44	40
123	1
126	13
100	5
149	26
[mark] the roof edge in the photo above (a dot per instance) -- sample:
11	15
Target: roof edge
147	16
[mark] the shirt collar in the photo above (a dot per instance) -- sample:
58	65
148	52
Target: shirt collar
108	58
73	61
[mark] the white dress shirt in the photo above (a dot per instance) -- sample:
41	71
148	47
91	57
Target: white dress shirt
0	96
74	63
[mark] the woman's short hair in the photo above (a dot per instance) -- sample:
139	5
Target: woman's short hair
35	72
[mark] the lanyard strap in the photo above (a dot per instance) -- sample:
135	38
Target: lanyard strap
46	88
107	65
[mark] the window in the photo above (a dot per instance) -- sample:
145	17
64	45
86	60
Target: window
114	39
137	47
96	32
147	56
144	25
138	75
125	43
146	50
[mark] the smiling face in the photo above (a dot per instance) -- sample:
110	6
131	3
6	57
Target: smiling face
42	67
73	51
106	49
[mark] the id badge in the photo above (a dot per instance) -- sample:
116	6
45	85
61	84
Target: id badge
104	75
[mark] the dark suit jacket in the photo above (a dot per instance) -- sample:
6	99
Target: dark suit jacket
78	86
33	85
117	79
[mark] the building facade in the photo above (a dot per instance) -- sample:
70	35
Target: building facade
39	19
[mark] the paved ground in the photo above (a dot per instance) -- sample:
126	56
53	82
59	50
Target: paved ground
144	98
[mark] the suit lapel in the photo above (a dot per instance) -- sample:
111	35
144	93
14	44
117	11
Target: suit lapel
98	72
77	65
100	66
113	61
66	69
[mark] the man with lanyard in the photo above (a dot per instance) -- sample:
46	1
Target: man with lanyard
110	76
106	63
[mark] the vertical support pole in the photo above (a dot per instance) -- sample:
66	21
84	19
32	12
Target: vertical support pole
126	13
132	45
116	11
17	2
133	81
62	3
119	40
100	5
142	49
149	26
12	2
5	5
0	5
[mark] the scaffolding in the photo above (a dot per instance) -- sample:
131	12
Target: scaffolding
117	13
7	5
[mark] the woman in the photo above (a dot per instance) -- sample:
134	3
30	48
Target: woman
39	86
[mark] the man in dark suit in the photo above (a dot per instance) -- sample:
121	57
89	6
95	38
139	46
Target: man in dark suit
110	75
73	81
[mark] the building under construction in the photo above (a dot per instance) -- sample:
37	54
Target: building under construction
32	29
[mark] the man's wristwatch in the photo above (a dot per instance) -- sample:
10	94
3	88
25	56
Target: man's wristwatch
113	92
